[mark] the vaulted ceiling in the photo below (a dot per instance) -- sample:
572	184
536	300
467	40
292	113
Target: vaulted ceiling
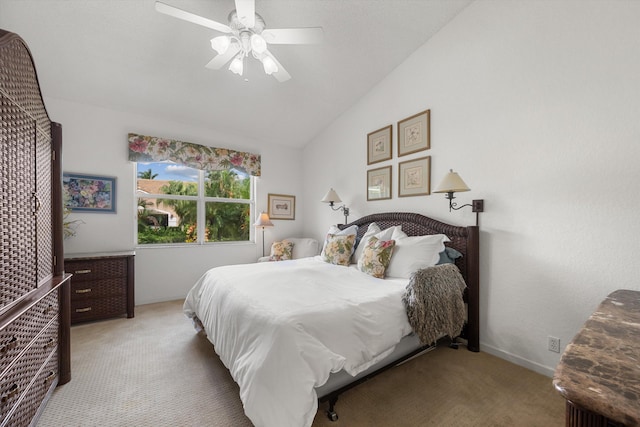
123	55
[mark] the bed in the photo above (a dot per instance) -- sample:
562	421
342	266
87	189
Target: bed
297	333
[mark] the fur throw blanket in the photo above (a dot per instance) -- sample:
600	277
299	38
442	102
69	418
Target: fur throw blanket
434	302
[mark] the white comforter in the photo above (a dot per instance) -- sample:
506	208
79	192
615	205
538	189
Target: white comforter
282	327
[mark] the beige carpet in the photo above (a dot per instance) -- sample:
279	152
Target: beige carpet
154	370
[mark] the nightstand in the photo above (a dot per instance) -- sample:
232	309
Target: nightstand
102	285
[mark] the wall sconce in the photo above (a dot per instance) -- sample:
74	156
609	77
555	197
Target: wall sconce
332	197
263	222
452	183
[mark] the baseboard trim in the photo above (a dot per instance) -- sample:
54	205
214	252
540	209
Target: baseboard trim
518	360
158	300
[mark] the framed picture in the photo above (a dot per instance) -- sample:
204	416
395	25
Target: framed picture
379	145
414	133
281	206
379	183
414	177
88	193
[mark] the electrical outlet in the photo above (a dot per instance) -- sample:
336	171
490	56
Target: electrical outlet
554	344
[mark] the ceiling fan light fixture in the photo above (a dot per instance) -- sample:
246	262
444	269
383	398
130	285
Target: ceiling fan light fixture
246	33
237	65
220	44
258	44
269	65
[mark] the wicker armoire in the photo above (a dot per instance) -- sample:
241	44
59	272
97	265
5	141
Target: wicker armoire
34	290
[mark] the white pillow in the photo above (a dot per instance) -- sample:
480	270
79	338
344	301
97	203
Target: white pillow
337	232
374	231
413	253
399	234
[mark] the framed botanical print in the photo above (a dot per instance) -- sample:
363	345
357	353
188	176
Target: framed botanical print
379	145
414	177
414	133
379	183
89	193
281	206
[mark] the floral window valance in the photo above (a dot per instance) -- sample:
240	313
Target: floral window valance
151	149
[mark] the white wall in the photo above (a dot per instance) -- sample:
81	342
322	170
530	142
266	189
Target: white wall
95	142
535	104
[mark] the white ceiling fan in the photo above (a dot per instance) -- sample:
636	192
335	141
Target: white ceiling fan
246	34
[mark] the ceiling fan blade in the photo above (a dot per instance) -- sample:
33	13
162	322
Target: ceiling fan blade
281	75
246	11
313	35
219	60
191	17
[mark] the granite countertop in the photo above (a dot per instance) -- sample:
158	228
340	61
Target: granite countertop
600	369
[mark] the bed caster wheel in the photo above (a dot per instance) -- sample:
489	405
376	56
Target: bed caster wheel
332	415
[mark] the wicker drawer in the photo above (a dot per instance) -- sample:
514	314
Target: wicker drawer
33	398
98	308
91	269
98	288
17	335
101	287
15	381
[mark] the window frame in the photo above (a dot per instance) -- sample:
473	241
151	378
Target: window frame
201	201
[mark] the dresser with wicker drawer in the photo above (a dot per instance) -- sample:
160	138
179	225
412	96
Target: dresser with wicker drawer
102	285
35	351
29	358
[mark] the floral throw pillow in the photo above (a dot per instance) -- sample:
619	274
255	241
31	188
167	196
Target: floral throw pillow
376	257
338	249
281	251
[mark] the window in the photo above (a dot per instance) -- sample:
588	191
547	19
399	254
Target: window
179	204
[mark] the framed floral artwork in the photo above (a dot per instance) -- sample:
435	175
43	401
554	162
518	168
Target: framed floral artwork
414	177
281	206
414	133
88	193
379	183
379	145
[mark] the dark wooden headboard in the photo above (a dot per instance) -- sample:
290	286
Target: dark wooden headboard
463	239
